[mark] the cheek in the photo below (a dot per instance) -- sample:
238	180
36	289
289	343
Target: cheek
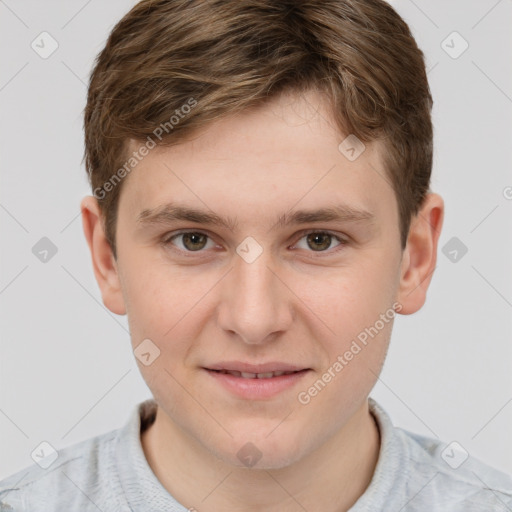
355	360
156	297
351	298
356	304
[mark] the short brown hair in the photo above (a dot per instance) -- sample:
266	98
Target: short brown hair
228	55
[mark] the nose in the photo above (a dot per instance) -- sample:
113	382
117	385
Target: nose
255	303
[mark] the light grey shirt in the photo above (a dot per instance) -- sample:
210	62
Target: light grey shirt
110	473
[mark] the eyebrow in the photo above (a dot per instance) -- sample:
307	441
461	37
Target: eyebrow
171	212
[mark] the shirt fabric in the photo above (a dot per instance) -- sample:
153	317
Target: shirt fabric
109	473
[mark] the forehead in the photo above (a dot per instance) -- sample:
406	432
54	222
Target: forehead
261	161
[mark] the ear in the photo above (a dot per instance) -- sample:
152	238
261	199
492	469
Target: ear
420	254
103	261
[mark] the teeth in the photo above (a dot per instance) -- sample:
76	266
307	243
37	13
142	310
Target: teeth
247	375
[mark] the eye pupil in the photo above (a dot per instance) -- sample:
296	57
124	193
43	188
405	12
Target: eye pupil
195	239
324	239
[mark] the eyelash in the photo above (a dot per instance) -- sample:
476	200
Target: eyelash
166	241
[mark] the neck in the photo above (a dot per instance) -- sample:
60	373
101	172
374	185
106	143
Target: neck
331	478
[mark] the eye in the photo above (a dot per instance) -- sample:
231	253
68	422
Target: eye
191	241
196	241
321	241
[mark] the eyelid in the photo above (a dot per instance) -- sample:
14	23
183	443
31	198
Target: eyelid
172	234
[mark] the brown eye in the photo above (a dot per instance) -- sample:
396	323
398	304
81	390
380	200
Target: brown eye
191	241
319	241
194	241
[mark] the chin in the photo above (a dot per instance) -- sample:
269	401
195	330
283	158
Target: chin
274	451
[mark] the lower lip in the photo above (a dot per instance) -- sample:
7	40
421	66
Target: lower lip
255	389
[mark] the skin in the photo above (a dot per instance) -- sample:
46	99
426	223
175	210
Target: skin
298	303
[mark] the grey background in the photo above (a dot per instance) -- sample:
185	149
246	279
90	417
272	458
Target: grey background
66	367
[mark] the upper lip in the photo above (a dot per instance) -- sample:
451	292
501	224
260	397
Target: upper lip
240	366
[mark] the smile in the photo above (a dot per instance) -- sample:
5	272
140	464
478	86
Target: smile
247	375
255	386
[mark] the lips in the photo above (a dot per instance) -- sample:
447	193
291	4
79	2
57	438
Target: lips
252	371
255	381
249	375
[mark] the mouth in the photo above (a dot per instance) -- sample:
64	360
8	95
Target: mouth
249	375
256	385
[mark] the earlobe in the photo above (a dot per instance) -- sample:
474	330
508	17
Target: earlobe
104	264
420	254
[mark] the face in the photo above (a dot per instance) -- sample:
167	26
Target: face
276	284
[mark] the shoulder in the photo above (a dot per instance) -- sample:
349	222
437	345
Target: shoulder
416	473
72	481
453	478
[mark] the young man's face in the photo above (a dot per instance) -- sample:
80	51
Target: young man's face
262	290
